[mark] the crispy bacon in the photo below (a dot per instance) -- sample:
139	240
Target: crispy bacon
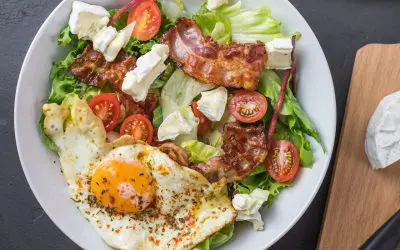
131	107
244	148
175	152
146	107
235	65
150	104
91	68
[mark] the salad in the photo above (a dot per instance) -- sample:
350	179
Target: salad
214	92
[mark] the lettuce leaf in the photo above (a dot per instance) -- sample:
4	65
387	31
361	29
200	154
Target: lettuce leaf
199	152
173	10
61	67
218	239
157	117
215	25
45	139
249	25
180	90
60	87
121	21
213	138
297	137
259	179
65	38
291	114
221	237
205	245
164	77
193	121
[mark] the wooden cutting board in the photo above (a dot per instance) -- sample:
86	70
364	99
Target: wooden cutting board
362	199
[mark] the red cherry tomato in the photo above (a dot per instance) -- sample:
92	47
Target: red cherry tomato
107	108
147	16
283	161
204	122
139	127
248	106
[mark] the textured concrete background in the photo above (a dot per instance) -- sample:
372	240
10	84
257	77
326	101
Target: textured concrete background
342	26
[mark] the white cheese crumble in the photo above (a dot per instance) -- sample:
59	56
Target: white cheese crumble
212	103
86	19
279	53
248	205
149	66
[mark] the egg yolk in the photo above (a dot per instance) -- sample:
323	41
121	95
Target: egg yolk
125	187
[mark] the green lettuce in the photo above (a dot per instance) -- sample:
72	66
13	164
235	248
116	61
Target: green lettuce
249	25
299	139
291	114
259	179
157	117
232	22
215	25
173	10
77	46
213	138
121	21
180	90
192	120
46	140
164	77
218	239
65	38
199	152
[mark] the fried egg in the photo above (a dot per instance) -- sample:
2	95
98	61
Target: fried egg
134	195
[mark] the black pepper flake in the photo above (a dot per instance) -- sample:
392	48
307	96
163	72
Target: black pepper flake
112	199
105	180
141	174
91	200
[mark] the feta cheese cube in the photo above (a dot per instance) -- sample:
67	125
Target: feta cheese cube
212	103
120	41
279	53
149	66
248	205
103	38
86	19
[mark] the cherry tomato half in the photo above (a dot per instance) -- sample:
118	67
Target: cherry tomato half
283	160
248	106
147	16
107	108
204	122
139	127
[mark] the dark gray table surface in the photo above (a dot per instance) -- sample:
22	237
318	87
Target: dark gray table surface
342	26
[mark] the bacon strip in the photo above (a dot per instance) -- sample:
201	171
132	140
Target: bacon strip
91	68
175	152
244	148
235	65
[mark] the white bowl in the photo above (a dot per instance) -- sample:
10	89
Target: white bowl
42	170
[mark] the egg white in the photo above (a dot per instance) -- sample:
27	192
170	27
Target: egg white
187	208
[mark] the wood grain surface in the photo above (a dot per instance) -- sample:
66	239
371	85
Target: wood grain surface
362	199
